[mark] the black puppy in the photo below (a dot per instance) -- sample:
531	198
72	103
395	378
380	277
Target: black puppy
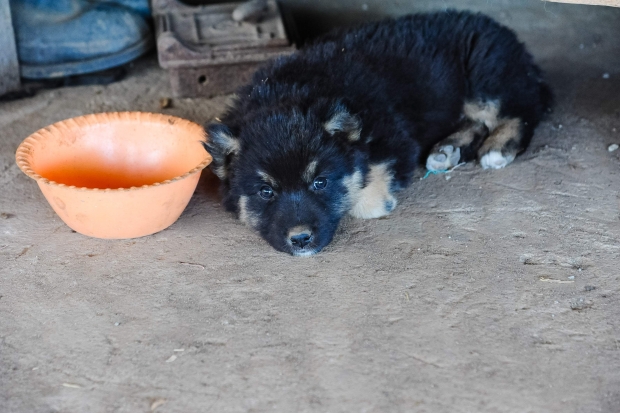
340	126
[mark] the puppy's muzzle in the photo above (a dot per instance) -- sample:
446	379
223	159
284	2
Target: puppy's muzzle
300	237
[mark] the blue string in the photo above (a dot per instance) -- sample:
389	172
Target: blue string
434	173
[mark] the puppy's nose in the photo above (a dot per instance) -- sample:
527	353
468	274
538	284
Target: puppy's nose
301	240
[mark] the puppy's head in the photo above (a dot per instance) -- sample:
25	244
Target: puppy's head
290	174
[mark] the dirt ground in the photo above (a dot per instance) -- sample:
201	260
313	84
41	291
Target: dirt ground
485	291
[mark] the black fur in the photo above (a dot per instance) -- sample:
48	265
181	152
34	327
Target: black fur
380	94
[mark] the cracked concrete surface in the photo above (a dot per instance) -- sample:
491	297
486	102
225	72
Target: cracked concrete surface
485	291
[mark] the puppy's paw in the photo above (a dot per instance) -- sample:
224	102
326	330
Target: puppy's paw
374	206
443	158
375	200
495	160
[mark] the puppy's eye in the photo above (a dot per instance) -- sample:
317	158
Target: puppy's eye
266	192
320	183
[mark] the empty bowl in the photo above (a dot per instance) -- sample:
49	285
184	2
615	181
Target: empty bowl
116	175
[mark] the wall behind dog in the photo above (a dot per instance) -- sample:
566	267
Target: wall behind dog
538	22
542	25
314	17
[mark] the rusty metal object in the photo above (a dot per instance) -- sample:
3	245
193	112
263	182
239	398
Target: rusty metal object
207	52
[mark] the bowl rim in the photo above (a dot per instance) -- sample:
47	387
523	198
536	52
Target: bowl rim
24	150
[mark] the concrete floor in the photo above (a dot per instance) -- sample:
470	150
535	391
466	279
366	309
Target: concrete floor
490	291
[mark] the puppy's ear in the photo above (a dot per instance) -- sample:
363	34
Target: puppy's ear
222	146
340	120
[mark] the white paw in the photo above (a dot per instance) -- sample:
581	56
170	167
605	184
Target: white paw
495	160
443	158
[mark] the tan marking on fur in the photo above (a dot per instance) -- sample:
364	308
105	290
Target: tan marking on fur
299	229
485	112
507	130
465	136
373	197
308	175
243	209
353	184
230	143
245	215
267	178
458	139
355	135
332	124
335	122
220	171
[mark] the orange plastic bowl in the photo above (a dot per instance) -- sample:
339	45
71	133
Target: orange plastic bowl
116	175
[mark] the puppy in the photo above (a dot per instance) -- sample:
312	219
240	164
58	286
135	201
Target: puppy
340	126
